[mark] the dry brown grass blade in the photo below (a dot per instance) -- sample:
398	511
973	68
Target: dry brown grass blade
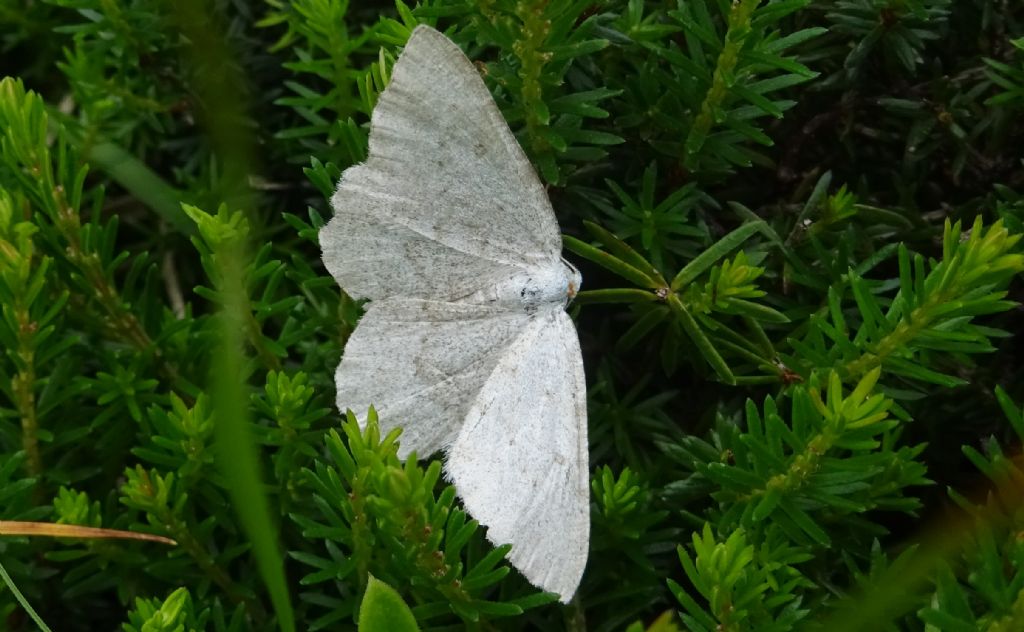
49	529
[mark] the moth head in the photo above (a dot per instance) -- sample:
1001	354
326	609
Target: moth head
554	285
574	280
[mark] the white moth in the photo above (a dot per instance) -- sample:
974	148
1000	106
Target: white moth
466	343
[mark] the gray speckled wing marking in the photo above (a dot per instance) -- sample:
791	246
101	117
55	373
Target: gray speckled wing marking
422	363
447	202
520	460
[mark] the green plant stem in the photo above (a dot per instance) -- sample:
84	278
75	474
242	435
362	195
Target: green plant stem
362	536
166	519
180	532
288	474
37	174
532	59
430	562
908	329
255	335
739	25
23	385
800	468
341	71
122	322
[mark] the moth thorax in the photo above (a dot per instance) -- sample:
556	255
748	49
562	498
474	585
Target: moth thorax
533	288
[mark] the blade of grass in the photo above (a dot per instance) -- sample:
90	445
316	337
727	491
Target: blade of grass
237	451
143	183
52	530
21	599
219	85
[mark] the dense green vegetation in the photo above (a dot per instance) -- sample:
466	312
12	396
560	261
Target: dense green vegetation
797	223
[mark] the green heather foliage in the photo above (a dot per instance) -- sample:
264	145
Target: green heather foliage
798	225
